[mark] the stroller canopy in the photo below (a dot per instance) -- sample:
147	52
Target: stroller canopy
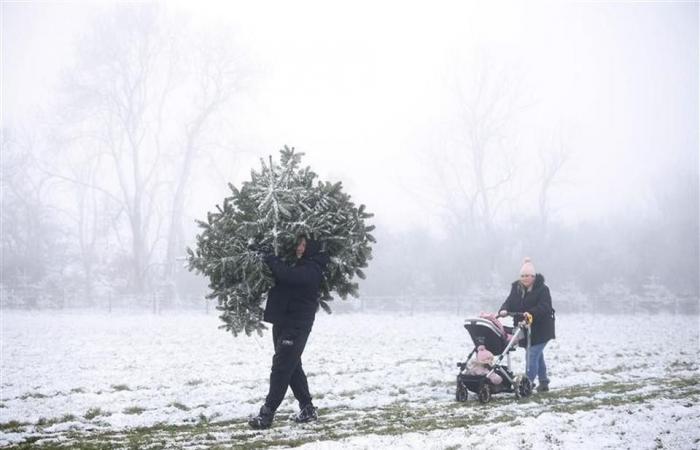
484	332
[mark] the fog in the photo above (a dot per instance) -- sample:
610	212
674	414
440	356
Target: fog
476	133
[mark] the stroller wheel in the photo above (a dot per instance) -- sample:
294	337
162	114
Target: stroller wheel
516	386
525	387
484	393
461	394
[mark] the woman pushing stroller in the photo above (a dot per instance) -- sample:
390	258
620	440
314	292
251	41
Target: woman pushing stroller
530	294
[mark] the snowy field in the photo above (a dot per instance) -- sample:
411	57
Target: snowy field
92	380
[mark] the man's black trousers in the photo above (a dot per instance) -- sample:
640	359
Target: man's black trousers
286	366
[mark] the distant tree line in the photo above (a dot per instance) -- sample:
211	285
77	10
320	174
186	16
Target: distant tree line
95	190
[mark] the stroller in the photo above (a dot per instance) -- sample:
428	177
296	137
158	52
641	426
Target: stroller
497	377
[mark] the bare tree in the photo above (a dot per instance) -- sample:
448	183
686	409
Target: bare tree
119	92
553	157
217	77
95	213
144	100
488	108
474	162
31	238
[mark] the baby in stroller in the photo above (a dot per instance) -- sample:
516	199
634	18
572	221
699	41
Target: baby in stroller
484	373
482	365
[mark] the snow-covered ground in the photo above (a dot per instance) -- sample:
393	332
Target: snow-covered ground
381	381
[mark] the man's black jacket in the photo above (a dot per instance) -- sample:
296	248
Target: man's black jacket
293	300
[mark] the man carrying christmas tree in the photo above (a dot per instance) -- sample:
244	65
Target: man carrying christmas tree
291	309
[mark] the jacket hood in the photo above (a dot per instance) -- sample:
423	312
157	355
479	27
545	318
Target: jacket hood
539	280
313	248
313	253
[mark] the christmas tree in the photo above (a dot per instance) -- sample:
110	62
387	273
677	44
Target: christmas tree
267	214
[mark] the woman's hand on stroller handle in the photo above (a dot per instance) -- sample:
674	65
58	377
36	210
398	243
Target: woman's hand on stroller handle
520	316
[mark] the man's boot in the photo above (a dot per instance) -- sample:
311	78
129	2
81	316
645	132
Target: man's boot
543	386
263	419
307	414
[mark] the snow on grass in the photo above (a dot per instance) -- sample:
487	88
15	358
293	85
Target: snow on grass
176	380
666	425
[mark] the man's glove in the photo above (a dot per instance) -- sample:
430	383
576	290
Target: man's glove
258	248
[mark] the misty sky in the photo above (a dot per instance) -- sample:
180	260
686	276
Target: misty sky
366	90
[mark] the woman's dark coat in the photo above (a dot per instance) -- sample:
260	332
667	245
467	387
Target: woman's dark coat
537	302
293	300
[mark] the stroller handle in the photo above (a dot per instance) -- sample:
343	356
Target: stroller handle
527	317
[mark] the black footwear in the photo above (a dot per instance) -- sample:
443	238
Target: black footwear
263	419
543	387
307	414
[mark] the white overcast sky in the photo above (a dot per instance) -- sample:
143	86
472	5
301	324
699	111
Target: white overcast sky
360	87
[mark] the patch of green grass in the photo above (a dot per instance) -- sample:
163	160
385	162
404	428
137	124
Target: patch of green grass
120	387
348	394
352	393
683	364
203	419
394	419
612	370
401	419
30	440
13	426
134	410
44	422
684	382
95	412
179	406
77	391
66	418
33	395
